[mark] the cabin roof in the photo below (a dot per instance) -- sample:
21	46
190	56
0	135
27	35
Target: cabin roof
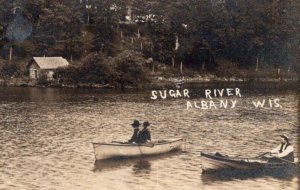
50	62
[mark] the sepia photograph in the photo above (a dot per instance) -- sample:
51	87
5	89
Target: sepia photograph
149	94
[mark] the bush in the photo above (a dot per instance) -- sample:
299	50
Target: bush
93	70
126	69
130	70
43	81
67	75
226	68
10	69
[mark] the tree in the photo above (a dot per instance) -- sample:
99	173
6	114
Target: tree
60	23
106	25
130	69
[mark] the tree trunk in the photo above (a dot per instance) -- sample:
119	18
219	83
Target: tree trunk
257	63
153	67
151	49
10	53
181	67
173	62
176	42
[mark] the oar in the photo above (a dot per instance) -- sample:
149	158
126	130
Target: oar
262	154
259	156
276	158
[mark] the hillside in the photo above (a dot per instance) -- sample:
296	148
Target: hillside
226	39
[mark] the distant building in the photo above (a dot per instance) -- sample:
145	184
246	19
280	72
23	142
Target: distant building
39	66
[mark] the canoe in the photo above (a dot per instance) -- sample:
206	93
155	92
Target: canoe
118	150
212	162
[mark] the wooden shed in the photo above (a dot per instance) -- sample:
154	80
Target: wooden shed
45	65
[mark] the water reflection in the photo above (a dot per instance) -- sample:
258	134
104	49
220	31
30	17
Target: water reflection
232	175
111	164
140	165
46	135
20	94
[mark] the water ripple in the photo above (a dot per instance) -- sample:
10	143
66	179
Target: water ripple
46	140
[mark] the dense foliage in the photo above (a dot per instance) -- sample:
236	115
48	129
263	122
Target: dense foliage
207	31
91	71
126	69
130	69
10	70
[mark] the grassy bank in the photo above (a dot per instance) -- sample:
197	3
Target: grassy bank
159	79
130	69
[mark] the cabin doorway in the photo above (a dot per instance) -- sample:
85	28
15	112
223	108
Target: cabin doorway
35	74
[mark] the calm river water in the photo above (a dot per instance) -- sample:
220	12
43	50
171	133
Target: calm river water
46	137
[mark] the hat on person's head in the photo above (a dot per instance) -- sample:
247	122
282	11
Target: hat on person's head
285	137
136	123
146	124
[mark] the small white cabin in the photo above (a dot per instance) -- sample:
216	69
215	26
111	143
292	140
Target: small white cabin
45	65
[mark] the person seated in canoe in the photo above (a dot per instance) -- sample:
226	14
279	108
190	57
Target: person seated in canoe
136	130
283	152
144	135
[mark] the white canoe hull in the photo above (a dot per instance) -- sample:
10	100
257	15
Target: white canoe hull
112	150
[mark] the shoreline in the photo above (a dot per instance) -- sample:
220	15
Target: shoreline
156	82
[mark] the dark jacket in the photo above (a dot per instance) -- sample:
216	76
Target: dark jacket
144	135
134	137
